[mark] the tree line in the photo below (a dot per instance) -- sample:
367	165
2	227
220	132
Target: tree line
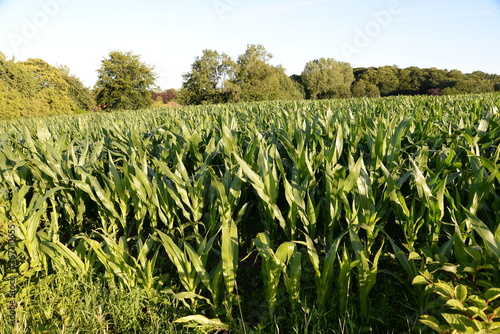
216	78
36	88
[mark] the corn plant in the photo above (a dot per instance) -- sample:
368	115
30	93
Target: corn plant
165	203
323	274
267	187
273	265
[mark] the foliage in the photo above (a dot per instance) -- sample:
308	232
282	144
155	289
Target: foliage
35	88
411	80
260	81
206	81
13	103
362	88
467	293
216	78
327	78
68	303
81	95
272	217
164	96
52	89
385	78
391	80
124	82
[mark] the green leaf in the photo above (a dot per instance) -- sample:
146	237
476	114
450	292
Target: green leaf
409	266
352	178
492	294
57	251
199	267
492	244
460	322
189	295
444	289
475	312
202	321
455	304
184	267
419	280
422	187
432	323
285	251
461	292
459	247
477	301
449	268
414	256
229	254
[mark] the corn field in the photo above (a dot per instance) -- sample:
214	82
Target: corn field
344	216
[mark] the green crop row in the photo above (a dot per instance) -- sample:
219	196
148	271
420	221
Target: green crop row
315	216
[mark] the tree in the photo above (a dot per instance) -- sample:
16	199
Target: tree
362	88
165	96
434	78
385	78
52	91
471	85
297	79
124	82
80	94
410	80
207	79
388	81
17	77
14	102
36	88
283	87
257	80
483	82
327	78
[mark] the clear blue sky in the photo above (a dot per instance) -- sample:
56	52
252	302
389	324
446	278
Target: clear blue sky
446	34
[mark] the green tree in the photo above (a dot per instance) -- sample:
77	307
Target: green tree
362	88
253	73
81	95
257	80
410	80
17	77
388	81
300	83
284	87
327	78
52	91
484	82
12	102
434	78
385	78
33	88
13	78
206	82
124	82
476	82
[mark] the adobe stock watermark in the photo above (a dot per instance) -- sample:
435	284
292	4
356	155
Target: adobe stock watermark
363	36
31	26
222	7
13	269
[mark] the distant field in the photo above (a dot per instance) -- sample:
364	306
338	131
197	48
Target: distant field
341	216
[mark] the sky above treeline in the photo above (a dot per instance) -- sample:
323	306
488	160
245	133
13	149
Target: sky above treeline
168	35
